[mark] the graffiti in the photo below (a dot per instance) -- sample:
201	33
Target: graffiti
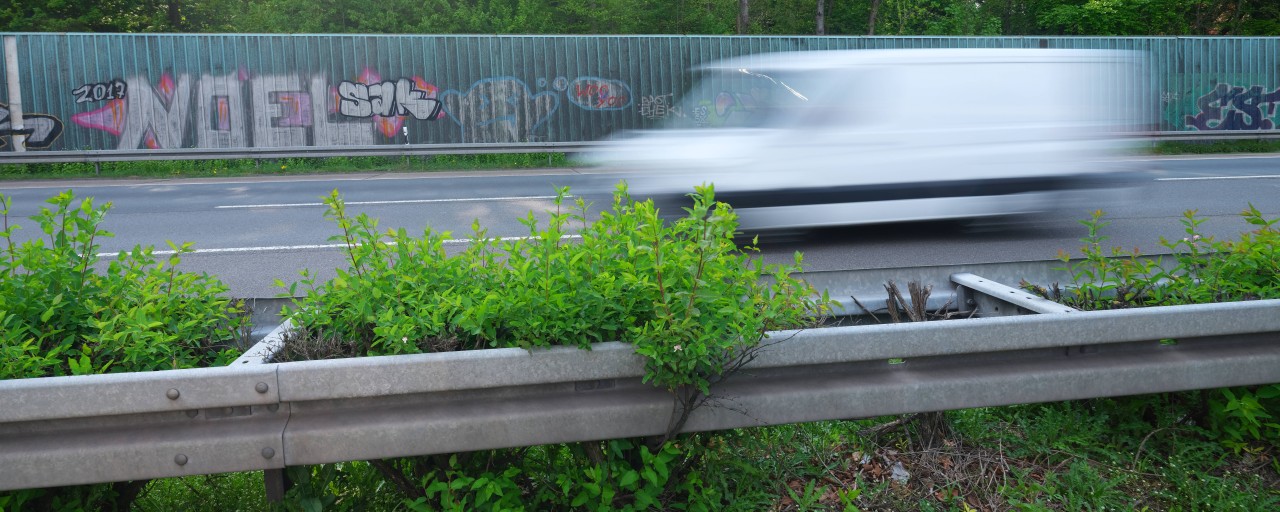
388	103
1235	108
1169	97
240	108
228	111
499	110
592	93
658	106
40	129
728	108
387	99
113	90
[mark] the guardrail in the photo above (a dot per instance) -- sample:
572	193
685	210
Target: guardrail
98	156
265	416
115	155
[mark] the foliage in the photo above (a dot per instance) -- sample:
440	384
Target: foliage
712	17
690	300
682	292
245	167
60	316
1202	270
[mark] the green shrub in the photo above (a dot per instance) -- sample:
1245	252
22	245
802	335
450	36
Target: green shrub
693	303
1201	270
59	315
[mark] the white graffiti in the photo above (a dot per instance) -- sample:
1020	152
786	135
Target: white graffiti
658	107
387	99
228	111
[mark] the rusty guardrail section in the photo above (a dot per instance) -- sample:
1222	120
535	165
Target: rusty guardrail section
265	416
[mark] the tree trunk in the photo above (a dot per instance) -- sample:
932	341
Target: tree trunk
743	20
871	20
821	18
175	15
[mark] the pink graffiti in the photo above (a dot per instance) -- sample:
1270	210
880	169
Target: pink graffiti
222	111
110	118
297	109
166	87
593	93
150	140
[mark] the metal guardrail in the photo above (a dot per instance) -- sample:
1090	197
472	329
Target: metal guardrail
251	416
98	156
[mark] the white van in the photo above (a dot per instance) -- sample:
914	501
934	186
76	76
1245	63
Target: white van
858	137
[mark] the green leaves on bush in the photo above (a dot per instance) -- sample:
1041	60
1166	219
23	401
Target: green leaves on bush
682	292
60	316
1203	270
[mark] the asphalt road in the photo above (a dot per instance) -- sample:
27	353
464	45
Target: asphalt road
252	231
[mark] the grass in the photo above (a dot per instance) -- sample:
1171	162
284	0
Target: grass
286	166
1216	147
292	166
1136	453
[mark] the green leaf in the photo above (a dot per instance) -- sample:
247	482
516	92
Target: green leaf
628	478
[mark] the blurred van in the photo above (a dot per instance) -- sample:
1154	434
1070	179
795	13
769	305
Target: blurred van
809	139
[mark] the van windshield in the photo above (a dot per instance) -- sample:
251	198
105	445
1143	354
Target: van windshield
738	98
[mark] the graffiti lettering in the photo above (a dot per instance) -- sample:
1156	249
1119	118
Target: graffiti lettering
40	129
278	107
272	111
386	99
592	93
113	90
499	110
1235	108
658	107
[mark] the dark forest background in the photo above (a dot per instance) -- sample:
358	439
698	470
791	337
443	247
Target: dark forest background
712	17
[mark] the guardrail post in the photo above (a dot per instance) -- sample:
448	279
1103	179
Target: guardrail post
990	298
275	481
16	126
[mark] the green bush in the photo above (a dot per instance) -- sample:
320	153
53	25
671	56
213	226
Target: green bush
1201	270
693	303
61	315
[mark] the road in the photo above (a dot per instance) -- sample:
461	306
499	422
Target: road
252	231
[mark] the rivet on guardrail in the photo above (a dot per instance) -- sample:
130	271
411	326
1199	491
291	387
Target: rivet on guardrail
193	413
180	459
268	452
172	393
261	387
273	407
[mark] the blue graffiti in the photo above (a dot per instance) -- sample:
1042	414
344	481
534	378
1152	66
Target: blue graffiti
1235	108
501	109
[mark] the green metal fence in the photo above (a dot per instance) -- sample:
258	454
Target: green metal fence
130	92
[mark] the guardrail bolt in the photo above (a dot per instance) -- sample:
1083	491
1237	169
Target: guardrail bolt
180	459
273	407
193	413
268	452
261	387
172	393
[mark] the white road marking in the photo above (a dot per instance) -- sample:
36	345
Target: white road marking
405	201
232	250
1206	178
